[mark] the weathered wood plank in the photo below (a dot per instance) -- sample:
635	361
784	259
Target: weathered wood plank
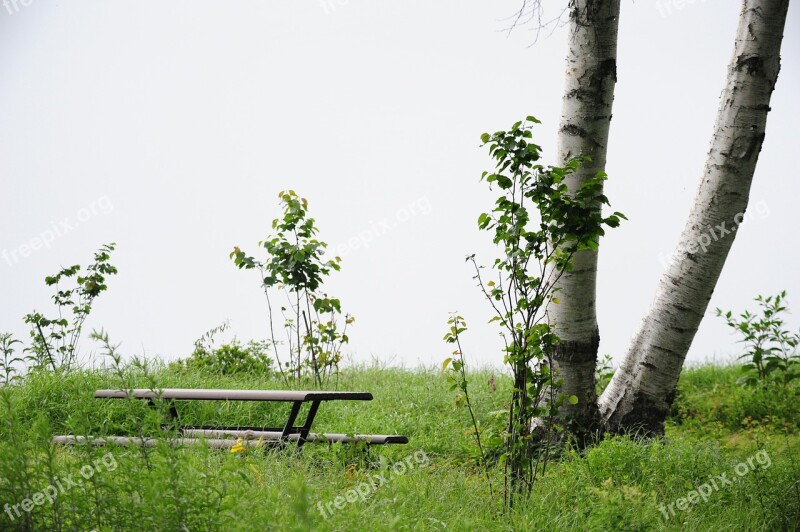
374	439
233	395
226	440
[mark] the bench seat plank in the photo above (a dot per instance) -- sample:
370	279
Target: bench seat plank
233	395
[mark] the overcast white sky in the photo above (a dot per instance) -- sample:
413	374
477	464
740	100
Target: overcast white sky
170	128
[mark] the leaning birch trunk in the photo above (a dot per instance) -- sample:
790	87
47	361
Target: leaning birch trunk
642	390
585	119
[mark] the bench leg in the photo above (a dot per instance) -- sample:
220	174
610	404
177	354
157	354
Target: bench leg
303	430
306	428
289	427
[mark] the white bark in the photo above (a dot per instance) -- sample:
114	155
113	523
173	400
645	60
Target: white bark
585	120
641	392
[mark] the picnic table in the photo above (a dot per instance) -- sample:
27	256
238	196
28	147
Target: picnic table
228	436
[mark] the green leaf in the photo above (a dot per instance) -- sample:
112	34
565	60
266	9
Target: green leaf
445	363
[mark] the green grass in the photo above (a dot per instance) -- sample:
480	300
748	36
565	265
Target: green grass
617	485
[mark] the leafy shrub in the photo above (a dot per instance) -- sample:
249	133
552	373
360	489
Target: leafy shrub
603	373
771	349
233	358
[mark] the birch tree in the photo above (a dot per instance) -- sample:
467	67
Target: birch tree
591	75
642	390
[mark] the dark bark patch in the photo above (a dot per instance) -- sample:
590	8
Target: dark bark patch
577	352
754	148
753	65
576	131
607	69
584	426
645	416
682	308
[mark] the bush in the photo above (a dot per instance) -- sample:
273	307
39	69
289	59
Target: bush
233	358
771	353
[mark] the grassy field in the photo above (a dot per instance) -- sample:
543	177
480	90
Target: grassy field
729	458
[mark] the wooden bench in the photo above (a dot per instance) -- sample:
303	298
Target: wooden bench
227	437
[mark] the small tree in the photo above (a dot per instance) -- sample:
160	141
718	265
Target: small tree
55	340
295	268
771	349
535	250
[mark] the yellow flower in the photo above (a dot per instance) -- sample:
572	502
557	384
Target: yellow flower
238	447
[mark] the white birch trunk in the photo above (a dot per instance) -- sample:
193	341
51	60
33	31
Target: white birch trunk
585	120
642	390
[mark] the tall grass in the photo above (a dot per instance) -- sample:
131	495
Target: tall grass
619	484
